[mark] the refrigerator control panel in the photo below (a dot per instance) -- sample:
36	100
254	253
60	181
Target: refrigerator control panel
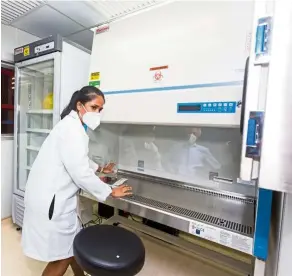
44	47
38	48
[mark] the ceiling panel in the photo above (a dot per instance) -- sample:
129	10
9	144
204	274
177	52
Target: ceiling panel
45	21
11	10
84	38
79	11
69	18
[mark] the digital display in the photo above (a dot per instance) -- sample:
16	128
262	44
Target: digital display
194	107
207	107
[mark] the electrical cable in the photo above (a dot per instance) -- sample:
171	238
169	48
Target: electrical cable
96	221
134	219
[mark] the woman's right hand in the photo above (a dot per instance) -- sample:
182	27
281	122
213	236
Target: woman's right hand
121	191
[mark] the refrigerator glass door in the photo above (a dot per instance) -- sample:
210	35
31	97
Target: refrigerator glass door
35	116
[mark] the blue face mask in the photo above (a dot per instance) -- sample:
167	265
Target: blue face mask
85	127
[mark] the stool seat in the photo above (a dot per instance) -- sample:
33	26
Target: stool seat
107	250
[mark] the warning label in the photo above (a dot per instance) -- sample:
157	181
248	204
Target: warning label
158	73
95	76
26	51
221	236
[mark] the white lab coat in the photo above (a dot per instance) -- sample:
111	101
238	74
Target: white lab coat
61	168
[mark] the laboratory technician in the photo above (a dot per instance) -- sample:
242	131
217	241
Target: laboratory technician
61	168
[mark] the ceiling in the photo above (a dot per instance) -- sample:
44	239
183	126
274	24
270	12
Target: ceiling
71	19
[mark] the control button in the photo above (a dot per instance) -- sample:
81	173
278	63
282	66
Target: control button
198	231
209	105
214	104
219	104
204	105
225	104
230	104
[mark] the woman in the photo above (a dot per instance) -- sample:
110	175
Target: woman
61	168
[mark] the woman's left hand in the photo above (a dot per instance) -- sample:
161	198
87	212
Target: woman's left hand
109	168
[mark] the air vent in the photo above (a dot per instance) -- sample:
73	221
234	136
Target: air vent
17	210
11	10
246	230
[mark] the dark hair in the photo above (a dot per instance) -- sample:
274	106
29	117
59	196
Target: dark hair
86	94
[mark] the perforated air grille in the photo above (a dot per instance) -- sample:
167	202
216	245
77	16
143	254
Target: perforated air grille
228	225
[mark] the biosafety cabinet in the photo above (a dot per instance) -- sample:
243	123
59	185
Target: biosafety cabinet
188	86
47	73
173	118
166	79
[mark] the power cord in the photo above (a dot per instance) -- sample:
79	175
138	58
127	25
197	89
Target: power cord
96	221
133	218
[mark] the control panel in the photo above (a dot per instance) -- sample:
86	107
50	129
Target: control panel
207	107
254	134
263	40
38	48
44	47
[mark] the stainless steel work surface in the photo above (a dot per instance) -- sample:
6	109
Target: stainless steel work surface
227	209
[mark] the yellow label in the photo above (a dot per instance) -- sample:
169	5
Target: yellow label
94	76
26	51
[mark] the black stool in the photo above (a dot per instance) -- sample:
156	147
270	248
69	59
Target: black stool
107	250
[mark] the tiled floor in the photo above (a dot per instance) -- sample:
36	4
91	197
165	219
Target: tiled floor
161	259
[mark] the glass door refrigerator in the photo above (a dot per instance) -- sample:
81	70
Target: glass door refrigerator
47	73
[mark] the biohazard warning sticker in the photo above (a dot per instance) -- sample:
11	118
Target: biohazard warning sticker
158	73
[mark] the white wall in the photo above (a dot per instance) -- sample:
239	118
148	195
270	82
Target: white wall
11	38
6	175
